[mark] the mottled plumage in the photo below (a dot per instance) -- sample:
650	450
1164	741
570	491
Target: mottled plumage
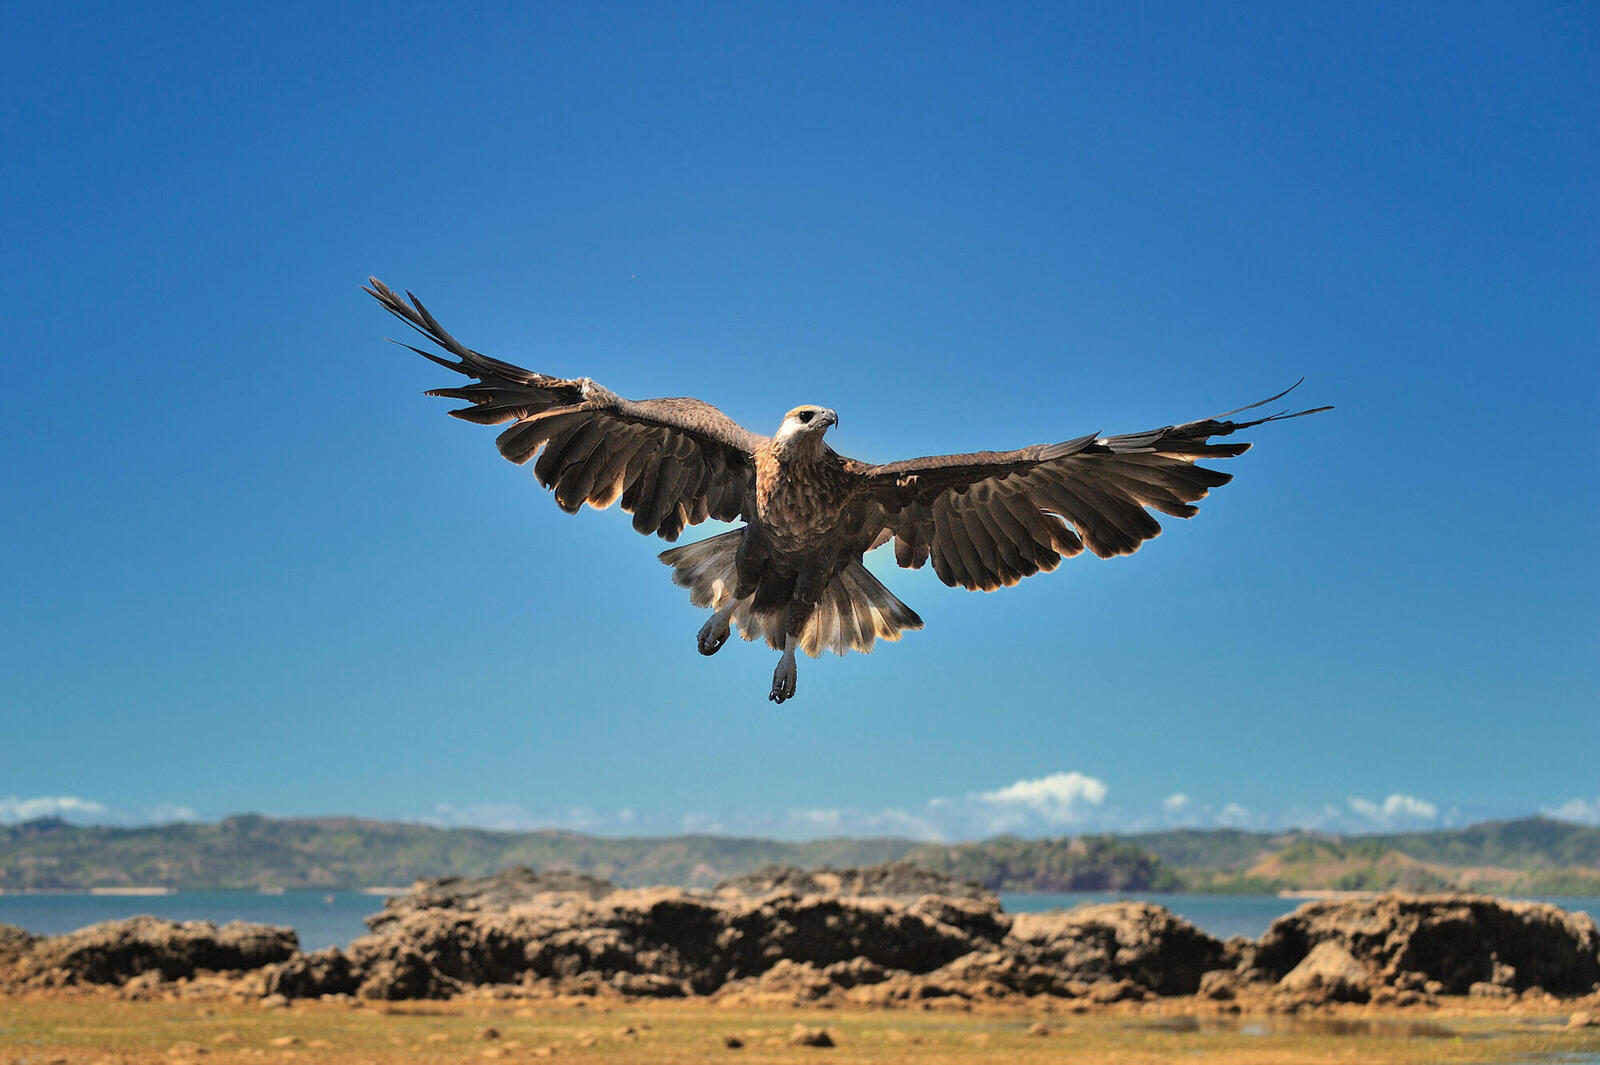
793	574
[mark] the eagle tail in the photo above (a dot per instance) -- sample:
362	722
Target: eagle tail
708	568
854	612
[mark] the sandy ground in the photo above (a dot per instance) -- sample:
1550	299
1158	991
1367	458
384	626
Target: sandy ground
41	1029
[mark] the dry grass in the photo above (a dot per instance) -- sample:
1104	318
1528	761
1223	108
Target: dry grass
39	1030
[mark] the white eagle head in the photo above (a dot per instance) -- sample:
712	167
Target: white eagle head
805	425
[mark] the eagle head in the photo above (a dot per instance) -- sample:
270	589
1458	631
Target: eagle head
806	422
799	438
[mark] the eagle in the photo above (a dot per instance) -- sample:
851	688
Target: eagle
792	574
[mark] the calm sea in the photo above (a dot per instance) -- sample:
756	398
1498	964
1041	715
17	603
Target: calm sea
333	919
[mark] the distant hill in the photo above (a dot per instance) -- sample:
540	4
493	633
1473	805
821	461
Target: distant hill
254	852
1534	855
1085	863
251	852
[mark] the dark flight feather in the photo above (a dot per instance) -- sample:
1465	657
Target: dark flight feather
634	440
958	510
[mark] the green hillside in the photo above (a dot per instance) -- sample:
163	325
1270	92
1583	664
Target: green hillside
253	852
1087	863
1529	856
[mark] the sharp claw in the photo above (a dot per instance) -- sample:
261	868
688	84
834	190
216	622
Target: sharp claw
709	641
784	678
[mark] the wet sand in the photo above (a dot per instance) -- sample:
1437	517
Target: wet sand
72	1027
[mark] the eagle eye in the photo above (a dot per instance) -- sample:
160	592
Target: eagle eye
805	416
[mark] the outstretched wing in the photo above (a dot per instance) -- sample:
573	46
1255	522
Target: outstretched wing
671	462
994	517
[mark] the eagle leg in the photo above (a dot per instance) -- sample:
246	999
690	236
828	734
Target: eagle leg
784	677
714	633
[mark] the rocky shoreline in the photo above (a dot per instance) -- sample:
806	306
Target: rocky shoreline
889	935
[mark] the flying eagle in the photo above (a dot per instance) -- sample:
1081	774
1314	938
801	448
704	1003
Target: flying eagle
793	574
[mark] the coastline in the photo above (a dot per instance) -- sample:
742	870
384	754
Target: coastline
884	964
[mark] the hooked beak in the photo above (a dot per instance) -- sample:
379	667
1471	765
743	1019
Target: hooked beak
829	418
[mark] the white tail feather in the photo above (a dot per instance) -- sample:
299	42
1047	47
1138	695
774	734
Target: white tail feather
854	611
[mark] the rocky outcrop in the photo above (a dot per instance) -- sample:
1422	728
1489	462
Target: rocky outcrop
1144	944
14	943
885	933
322	972
661	941
505	889
1444	943
115	952
869	936
1329	973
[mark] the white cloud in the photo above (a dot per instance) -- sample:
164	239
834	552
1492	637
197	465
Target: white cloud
1583	811
1054	797
14	809
1396	810
166	813
1059	803
1233	816
825	820
702	824
1042	805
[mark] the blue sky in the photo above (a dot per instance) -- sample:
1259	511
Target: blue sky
248	566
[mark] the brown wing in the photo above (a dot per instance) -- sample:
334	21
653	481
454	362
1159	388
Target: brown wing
994	517
672	462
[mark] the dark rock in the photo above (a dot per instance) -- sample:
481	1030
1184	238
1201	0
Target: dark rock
114	951
324	972
1135	941
876	932
650	985
1485	989
663	941
809	1037
1240	953
1220	985
505	889
402	973
1329	973
1115	991
14	943
1443	943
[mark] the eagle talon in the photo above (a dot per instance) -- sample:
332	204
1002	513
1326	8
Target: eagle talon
784	677
713	634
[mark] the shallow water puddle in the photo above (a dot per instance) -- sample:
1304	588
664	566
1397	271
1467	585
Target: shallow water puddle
1398	1028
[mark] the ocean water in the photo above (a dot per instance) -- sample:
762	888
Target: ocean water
319	918
333	919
